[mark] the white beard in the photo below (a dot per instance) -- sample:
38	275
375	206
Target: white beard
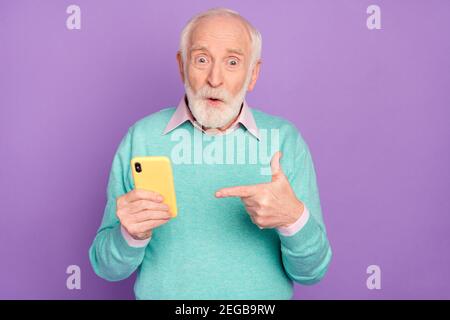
215	116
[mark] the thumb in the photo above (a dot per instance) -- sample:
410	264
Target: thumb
275	165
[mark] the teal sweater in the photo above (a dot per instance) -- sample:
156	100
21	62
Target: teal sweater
212	249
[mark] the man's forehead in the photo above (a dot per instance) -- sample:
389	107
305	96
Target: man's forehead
229	30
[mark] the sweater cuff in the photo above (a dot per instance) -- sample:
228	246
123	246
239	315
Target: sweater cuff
131	241
308	231
297	225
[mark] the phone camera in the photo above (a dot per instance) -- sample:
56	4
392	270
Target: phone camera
137	166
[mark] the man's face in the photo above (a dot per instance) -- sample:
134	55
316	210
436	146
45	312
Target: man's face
216	74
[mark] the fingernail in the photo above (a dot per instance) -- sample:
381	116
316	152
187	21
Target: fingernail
218	194
159	198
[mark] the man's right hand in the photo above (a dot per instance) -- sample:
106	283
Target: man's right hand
140	211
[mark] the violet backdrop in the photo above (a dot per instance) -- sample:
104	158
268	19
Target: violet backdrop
373	105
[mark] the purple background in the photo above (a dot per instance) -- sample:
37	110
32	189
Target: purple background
372	104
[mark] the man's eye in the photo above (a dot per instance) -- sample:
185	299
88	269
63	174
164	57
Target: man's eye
202	60
233	62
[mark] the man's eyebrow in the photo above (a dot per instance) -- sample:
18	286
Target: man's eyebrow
236	51
203	48
194	48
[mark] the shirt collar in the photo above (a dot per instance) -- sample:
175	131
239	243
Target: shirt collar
183	114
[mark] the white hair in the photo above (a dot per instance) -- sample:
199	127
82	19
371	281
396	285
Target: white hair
254	33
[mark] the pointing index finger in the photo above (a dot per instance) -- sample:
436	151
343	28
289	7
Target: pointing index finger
238	191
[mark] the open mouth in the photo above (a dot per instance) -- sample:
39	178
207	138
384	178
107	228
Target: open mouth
214	101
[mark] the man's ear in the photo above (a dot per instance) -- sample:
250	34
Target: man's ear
180	65
255	75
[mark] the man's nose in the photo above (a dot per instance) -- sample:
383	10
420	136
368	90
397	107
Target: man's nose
215	76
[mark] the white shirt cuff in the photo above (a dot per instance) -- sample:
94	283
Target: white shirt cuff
297	225
131	241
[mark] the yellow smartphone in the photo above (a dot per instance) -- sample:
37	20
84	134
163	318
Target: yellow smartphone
154	173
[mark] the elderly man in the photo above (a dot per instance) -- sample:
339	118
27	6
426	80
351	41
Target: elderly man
240	232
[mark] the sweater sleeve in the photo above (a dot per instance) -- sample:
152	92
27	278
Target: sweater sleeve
111	256
306	254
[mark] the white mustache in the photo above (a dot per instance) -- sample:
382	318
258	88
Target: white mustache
208	92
